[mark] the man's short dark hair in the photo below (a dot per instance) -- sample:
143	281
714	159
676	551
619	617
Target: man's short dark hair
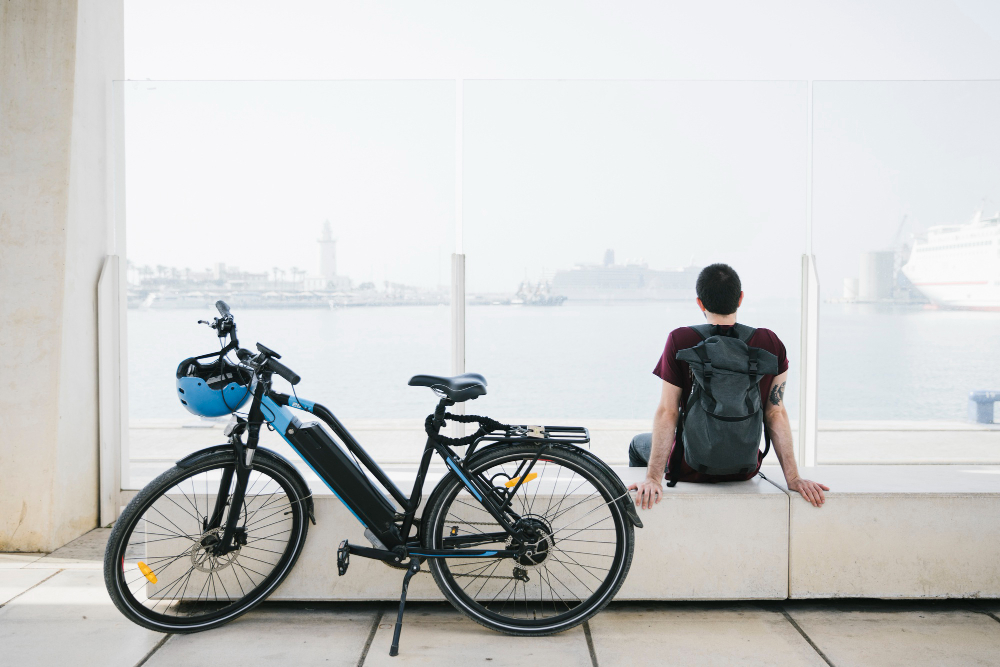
719	289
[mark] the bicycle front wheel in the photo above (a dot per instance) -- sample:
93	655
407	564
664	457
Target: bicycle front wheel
582	551
159	566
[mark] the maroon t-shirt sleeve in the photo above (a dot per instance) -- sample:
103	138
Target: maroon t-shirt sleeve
773	344
668	368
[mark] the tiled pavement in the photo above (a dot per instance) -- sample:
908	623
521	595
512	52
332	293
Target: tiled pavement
54	611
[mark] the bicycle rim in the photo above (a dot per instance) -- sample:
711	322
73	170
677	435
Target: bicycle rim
581	539
166	573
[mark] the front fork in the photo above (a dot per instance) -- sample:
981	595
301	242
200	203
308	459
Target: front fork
232	495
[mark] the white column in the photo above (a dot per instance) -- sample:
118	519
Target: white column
57	61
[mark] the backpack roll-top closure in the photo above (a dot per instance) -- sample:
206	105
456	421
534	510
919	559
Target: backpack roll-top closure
726	374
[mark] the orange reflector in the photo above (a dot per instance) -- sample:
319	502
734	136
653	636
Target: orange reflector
512	483
145	569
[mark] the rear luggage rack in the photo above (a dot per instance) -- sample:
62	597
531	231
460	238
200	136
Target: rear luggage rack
576	435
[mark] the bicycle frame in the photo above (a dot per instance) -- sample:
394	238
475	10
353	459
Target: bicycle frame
350	484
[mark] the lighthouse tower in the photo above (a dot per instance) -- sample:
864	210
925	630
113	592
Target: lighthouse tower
328	256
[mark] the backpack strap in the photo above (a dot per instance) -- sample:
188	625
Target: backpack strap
674	457
752	372
703	330
743	332
706	376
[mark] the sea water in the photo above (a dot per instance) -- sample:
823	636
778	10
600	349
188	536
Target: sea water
584	360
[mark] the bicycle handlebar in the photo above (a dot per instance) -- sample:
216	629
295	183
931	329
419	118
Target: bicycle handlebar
282	370
266	362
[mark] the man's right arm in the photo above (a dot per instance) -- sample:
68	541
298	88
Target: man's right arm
664	425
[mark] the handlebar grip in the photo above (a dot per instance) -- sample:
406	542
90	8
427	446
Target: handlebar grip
283	370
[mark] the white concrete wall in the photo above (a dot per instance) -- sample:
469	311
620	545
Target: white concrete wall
702	542
57	63
897	532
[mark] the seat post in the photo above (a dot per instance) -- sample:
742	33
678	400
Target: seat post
442	405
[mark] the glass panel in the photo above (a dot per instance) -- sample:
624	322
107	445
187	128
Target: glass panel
615	194
323	212
907	240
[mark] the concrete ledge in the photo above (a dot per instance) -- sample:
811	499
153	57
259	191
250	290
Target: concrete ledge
702	542
897	532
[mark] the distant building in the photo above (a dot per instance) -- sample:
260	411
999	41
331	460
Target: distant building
627	282
328	278
876	278
327	253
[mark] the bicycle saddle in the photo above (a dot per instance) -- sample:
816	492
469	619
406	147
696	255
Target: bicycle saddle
459	388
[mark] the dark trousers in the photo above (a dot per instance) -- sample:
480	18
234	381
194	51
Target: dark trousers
639	450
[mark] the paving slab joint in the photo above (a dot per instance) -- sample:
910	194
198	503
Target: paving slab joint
371	637
2	605
590	643
987	613
153	650
802	632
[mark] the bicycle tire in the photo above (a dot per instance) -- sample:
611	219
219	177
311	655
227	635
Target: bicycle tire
117	567
435	521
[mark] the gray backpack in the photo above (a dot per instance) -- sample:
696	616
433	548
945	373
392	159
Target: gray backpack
721	425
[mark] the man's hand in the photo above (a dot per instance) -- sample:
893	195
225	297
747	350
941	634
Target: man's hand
649	493
811	491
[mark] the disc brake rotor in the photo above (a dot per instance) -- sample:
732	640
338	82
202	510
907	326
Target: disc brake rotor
204	560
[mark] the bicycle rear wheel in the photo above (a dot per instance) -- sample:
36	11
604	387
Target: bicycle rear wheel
159	568
584	542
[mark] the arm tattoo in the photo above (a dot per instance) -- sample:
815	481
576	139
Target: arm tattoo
777	393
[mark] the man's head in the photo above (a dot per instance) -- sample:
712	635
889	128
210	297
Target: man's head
719	290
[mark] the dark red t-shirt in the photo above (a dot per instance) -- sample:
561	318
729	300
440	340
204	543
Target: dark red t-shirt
678	373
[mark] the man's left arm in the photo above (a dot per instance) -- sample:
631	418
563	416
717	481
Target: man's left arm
776	419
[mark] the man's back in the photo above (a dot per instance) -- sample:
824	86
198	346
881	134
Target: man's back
678	373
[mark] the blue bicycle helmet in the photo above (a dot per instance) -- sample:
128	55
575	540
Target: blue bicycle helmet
212	389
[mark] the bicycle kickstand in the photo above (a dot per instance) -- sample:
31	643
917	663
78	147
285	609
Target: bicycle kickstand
412	570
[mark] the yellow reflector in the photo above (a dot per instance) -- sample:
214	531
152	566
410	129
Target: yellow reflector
147	572
512	483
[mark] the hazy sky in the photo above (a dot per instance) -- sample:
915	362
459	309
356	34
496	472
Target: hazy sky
554	171
929	151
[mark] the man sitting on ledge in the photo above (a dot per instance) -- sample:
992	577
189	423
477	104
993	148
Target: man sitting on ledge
719	295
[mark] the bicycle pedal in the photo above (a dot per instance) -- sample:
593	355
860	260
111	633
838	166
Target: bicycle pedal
343	558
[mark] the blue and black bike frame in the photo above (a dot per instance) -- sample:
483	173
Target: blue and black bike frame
346	479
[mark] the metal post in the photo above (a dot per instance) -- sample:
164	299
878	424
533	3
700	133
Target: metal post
809	316
108	387
809	365
457	314
116	246
458	262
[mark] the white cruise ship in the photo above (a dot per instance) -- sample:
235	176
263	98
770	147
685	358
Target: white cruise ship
958	266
